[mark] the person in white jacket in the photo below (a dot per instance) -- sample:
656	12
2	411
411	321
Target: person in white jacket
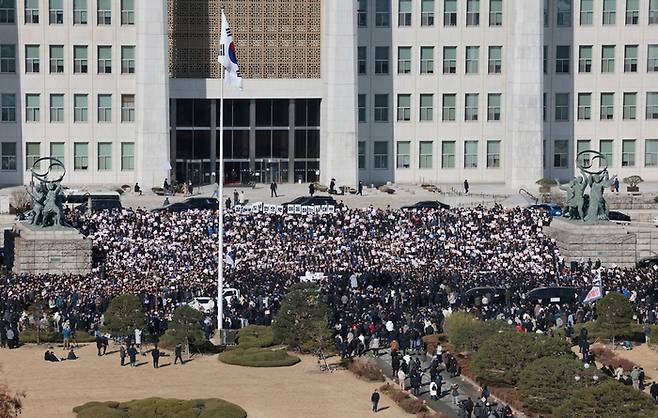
434	391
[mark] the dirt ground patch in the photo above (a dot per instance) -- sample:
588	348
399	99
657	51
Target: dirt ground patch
53	389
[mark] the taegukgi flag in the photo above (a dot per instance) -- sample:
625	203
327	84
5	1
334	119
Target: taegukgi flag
228	56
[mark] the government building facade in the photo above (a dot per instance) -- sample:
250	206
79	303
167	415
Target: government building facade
409	91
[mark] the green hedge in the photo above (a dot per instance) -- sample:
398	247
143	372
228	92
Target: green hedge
255	336
30	337
258	357
609	399
595	331
467	334
161	408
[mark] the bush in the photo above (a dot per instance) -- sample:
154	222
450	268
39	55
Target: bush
255	336
53	337
610	399
503	356
614	315
546	382
609	358
321	187
404	400
386	189
258	357
11	404
596	331
467	334
124	315
546	182
161	408
633	180
184	327
366	370
432	341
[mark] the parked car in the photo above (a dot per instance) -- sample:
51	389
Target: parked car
617	216
427	204
100	204
553	209
206	304
647	262
313	201
190	203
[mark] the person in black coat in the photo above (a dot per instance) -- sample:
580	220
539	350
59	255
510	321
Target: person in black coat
654	392
360	189
468	406
155	353
466	187
178	351
311	189
395	364
99	344
132	354
374	398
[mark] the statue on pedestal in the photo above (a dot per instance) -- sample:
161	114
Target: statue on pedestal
47	196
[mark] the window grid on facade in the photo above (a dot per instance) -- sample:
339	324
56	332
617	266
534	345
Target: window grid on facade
561	107
362	60
472	55
362	108
32	62
381	107
584	106
127	108
652	58
56	59
471	106
426	107
362	13
448	154
404	107
427	13
425	154
403	154
607	106
104	12
8	156
362	155
80	108
652	105
449	12
583	145
609	12
104	156
564	13
632	12
653	12
628	153
127	156
630	59
495	59
470	154
381	60
546	14
495	12
32	154
380	155
404	12
449	107
31	12
57	108
8	107
493	106
104	108
562	58
472	12
404	60
7	58
606	149
561	153
127	59
32	108
585	59
79	12
127	12
608	59
383	13
449	59
427	60
56	12
651	153
586	12
104	60
57	151
630	106
493	154
80	156
80	63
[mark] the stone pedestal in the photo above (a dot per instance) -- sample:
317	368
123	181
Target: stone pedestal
55	250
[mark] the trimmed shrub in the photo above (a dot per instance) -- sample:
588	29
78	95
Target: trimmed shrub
366	370
124	314
596	331
546	382
409	404
258	357
467	334
30	337
255	336
184	328
503	356
615	315
161	408
610	399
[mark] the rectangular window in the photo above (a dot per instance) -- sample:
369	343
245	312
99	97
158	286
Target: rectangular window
586	12
584	106
382	13
32	153
127	156
606	149
404	12
403	154
449	59
8	156
425	154
8	107
381	107
561	154
32	58
544	106
56	12
426	107
449	107
104	108
381	60
651	153
547	13
79	12
104	60
652	105
607	106
450	12
493	106
564	13
104	12
652	58
472	56
562	59
361	13
471	106
7	58
362	155
609	12
80	156
448	154
545	56
628	153
362	108
632	12
470	154
630	59
495	59
362	57
104	156
80	108
32	108
427	60
404	60
608	59
561	107
57	108
472	12
495	12
583	145
127	12
585	59
653	12
381	155
630	106
493	154
127	59
57	151
56	59
427	13
31	12
404	107
80	59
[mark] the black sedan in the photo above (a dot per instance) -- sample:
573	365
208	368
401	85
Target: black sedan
428	204
617	216
189	204
312	201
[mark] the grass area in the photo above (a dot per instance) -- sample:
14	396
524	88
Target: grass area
258	357
161	408
30	337
255	336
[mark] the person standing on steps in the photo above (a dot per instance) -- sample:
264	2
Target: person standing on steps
273	188
311	189
359	191
466	186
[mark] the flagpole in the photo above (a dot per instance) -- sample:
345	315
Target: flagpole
220	250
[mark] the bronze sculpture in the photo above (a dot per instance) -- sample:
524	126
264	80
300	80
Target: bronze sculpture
48	198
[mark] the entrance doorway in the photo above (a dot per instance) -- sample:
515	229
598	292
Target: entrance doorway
271	170
197	171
